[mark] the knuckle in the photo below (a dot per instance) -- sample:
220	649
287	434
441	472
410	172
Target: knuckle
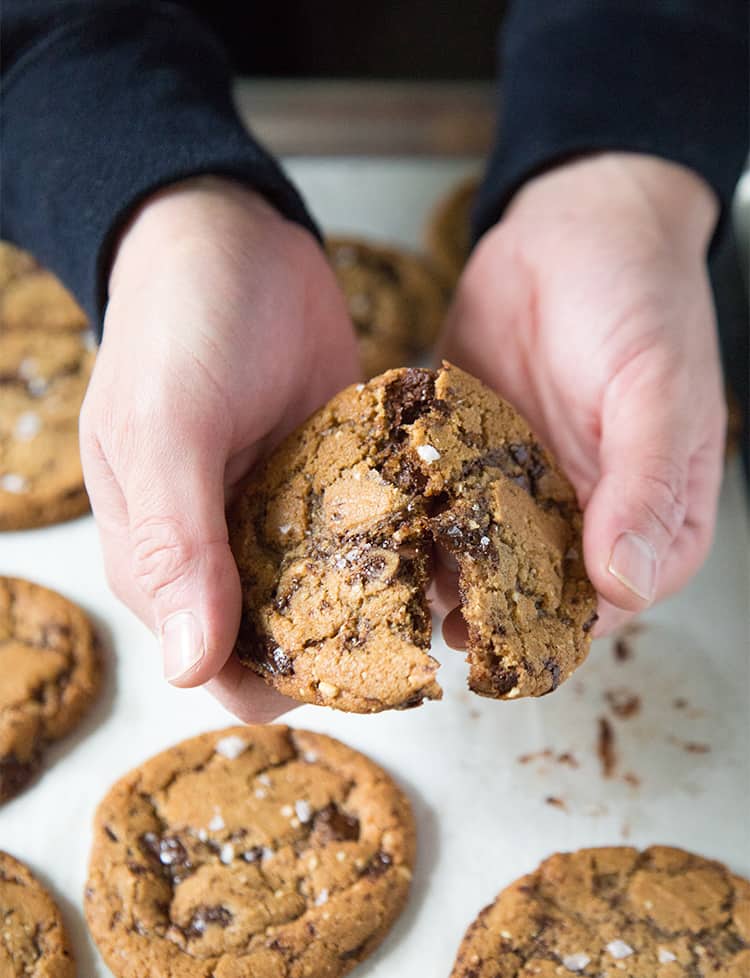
664	494
162	553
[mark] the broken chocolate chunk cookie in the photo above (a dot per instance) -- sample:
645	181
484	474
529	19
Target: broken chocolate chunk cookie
33	941
660	913
252	852
49	676
333	538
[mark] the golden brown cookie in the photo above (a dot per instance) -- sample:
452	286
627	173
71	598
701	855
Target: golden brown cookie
333	536
49	676
395	301
252	852
614	913
46	357
448	232
33	942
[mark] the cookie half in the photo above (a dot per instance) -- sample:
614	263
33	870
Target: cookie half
448	232
395	300
251	852
33	939
46	358
50	674
333	538
614	913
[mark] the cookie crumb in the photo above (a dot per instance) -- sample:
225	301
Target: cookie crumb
622	650
623	703
606	747
556	802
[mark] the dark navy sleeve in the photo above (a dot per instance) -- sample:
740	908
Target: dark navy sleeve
103	103
663	77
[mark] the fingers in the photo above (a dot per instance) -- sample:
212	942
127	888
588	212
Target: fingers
164	538
246	696
650	518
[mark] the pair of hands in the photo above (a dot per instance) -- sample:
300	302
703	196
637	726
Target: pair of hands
588	307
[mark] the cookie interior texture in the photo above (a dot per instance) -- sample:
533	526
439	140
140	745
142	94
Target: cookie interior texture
660	913
49	676
395	300
251	852
33	941
333	540
46	357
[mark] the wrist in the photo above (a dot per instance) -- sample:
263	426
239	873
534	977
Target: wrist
178	214
677	200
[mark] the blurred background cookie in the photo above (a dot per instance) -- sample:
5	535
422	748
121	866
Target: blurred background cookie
395	300
46	358
448	231
49	676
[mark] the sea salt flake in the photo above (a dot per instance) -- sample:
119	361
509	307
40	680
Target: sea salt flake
304	811
287	811
264	779
285	528
202	835
341	855
619	949
227	853
665	955
217	823
266	853
576	962
28	425
321	898
37	386
27	368
12	482
360	387
260	793
231	747
484	541
428	453
310	756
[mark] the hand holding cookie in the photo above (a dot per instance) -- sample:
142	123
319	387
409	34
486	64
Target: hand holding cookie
224	329
588	307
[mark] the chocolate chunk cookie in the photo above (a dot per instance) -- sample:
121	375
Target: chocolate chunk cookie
49	675
615	913
395	301
252	852
448	233
46	357
333	539
33	942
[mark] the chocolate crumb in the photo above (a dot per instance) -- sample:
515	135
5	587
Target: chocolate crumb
606	747
680	703
632	779
567	758
622	650
556	802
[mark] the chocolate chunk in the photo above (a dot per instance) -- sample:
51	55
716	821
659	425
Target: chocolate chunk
379	864
331	824
204	916
169	853
14	775
410	396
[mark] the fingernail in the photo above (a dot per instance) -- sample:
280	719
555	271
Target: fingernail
181	644
633	563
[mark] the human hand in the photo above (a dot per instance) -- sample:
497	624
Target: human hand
588	307
224	330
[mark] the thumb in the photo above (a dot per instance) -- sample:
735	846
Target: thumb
638	506
181	561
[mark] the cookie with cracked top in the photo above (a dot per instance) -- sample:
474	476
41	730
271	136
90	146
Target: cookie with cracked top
250	852
50	674
33	941
448	232
614	913
395	300
46	357
333	538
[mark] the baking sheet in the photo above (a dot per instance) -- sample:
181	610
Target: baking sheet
496	786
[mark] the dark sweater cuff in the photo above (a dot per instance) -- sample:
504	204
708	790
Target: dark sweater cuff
582	76
105	110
